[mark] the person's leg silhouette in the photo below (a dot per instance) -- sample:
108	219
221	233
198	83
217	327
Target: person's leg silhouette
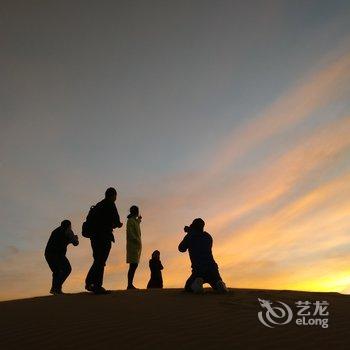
65	270
94	278
61	269
131	274
194	283
214	279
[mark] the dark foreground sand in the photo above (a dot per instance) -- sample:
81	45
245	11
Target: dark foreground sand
166	319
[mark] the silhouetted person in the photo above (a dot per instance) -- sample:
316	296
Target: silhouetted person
55	254
102	219
156	268
204	268
133	243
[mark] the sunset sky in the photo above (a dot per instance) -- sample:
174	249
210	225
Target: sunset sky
234	111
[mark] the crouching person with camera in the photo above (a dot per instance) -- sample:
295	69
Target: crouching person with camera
204	268
55	255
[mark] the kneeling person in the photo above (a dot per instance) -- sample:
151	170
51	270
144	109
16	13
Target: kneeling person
55	254
204	268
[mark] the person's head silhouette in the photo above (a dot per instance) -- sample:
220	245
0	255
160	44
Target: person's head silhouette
134	212
156	255
198	224
66	224
111	194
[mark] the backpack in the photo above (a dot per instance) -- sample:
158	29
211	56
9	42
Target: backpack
91	223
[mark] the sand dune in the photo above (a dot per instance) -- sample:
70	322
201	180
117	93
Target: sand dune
169	319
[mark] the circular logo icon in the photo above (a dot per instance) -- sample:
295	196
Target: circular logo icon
274	315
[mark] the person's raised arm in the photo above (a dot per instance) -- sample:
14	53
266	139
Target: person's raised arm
72	237
183	246
116	218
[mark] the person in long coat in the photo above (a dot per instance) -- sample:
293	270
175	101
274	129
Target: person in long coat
133	243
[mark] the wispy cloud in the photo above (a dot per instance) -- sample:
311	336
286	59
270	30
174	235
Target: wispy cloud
268	220
279	203
301	102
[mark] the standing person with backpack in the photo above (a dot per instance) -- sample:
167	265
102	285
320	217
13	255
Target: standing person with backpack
55	254
99	225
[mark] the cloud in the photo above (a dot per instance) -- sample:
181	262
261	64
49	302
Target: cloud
267	219
267	206
316	91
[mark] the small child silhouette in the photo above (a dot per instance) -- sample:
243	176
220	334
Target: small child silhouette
156	268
